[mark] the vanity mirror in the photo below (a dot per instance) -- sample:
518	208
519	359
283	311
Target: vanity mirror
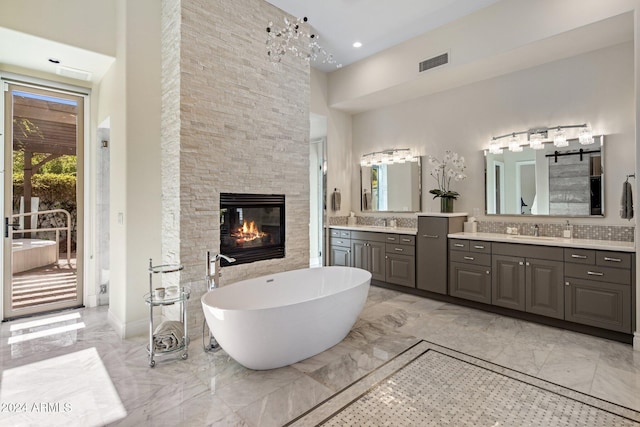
554	181
391	187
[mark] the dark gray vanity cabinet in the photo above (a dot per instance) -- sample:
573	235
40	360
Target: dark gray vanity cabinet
507	286
432	251
400	261
368	252
470	270
598	288
528	278
340	248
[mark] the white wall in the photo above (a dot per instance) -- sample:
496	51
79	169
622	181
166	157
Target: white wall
339	157
592	87
130	96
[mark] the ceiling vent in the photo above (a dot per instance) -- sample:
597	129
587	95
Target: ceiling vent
73	73
436	61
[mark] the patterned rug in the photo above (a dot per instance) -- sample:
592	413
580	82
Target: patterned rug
430	385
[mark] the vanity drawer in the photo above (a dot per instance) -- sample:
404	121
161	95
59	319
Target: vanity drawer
405	239
371	236
479	246
400	249
596	272
470	258
391	238
337	241
459	245
613	259
345	234
580	256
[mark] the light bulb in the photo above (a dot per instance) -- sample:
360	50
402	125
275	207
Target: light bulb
560	138
494	147
536	141
514	144
586	136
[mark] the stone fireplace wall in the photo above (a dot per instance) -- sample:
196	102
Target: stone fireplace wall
232	122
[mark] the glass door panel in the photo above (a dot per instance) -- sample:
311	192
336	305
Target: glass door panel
43	204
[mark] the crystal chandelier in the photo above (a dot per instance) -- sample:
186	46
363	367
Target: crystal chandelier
285	41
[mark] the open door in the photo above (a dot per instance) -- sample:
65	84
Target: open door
43	200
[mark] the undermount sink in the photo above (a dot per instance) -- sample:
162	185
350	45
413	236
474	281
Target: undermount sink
519	236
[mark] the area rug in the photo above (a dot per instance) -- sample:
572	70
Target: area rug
430	385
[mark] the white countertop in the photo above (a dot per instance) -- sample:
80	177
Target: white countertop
376	229
607	245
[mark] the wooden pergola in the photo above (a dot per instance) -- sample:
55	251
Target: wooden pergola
42	126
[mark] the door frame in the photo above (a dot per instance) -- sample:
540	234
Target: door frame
85	209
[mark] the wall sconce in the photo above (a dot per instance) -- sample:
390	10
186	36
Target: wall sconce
391	156
538	136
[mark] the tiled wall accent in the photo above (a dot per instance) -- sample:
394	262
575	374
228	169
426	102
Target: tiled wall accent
375	221
380	221
580	231
243	127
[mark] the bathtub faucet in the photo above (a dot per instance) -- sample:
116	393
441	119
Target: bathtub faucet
213	274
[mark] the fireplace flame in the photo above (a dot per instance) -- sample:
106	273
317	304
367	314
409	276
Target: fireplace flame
248	232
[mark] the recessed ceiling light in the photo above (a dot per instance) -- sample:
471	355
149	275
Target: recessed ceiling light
357	44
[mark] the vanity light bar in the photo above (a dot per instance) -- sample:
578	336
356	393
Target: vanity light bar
537	136
400	155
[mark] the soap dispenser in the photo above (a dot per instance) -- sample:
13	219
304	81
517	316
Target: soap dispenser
567	231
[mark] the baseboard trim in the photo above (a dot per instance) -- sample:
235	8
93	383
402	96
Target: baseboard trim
128	330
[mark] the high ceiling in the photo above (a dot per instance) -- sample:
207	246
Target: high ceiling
378	25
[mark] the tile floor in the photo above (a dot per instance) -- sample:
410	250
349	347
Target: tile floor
212	389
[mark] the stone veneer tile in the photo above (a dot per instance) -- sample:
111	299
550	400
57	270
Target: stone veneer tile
232	122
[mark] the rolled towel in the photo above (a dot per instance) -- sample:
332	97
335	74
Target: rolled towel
168	335
626	202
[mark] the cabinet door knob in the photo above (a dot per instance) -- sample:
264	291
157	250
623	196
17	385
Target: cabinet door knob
528	264
567	283
391	238
488	272
612	259
521	263
595	273
398	249
430	236
479	247
578	256
458	245
469	258
406	240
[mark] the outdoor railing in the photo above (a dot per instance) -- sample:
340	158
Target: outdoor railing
67	228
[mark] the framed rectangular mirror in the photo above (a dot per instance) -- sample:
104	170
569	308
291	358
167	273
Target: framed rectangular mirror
553	181
391	187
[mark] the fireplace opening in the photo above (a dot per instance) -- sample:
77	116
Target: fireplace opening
251	226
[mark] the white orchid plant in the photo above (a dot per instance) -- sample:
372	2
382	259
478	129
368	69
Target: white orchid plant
450	168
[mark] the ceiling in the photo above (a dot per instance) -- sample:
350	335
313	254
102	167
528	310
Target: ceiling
378	25
35	52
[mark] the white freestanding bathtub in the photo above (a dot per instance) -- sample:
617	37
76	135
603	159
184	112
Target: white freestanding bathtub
280	319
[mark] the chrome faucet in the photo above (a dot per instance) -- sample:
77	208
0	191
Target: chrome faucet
536	230
213	278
